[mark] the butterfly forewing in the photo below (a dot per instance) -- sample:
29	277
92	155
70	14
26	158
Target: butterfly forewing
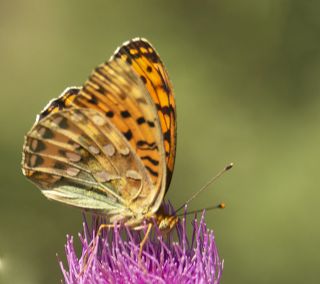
64	101
143	58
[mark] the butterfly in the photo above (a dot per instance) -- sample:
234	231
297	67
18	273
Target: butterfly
109	146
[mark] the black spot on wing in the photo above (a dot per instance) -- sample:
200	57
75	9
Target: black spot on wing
128	134
63	123
129	60
93	100
158	106
144	80
141	120
125	114
151	123
46	133
38	146
166	110
62	152
101	89
117	55
110	114
167	135
59	165
38	161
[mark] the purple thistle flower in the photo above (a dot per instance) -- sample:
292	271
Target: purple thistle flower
112	257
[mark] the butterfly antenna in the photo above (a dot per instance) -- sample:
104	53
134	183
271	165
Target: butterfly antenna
225	169
221	205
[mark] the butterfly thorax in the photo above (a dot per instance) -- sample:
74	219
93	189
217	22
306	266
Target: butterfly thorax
165	222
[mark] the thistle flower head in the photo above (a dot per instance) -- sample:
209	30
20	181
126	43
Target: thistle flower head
113	256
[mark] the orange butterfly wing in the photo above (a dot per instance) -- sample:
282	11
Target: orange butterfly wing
143	58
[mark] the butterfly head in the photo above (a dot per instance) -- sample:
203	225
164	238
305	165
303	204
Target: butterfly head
166	222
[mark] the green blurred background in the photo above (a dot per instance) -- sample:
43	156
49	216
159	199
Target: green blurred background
246	77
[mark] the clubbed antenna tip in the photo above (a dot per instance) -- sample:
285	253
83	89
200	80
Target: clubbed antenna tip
222	205
229	167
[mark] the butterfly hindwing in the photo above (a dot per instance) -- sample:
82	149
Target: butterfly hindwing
78	157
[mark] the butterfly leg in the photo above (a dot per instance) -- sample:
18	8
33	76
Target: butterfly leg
104	226
87	260
144	241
